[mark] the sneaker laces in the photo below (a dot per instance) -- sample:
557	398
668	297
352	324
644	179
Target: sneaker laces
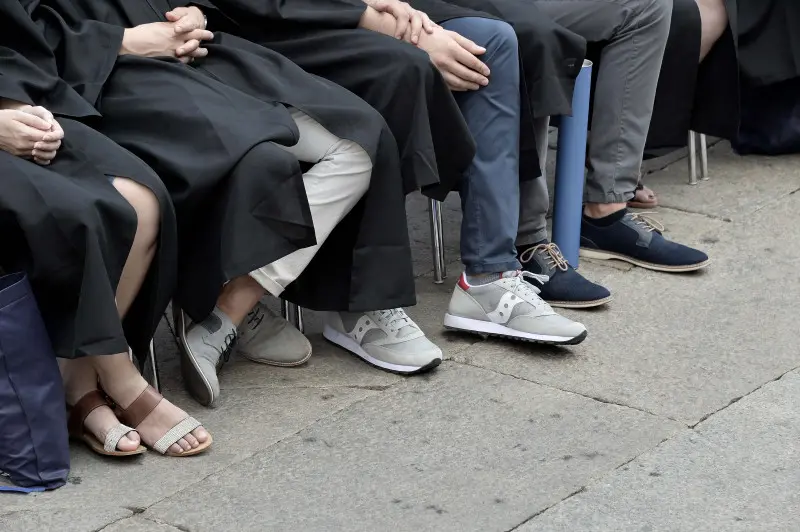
255	316
649	224
528	291
394	319
230	342
555	259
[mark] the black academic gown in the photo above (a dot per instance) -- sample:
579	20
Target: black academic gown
398	80
64	224
366	262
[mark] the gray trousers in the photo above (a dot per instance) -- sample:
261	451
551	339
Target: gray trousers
636	32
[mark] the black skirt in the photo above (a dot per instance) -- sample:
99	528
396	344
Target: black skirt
68	228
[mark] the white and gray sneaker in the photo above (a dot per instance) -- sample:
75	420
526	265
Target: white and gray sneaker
267	338
387	339
205	348
509	307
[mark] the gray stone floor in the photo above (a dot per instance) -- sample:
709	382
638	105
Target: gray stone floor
679	412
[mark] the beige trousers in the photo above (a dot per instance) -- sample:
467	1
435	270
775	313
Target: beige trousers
337	181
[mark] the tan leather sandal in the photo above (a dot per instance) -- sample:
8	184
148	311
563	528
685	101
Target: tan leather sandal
139	409
77	430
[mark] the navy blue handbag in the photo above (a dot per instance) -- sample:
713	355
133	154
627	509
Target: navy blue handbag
34	446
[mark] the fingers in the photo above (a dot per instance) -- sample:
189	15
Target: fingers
200	52
427	24
200	35
56	133
43	157
187	48
457	84
468	45
471	62
31	121
467	75
416	27
403	21
39	111
43	146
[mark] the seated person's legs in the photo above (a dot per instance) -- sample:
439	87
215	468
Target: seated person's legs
334	185
563	287
493	297
116	374
636	31
714	19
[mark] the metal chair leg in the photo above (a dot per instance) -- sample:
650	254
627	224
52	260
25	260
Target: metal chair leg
155	380
703	157
293	314
692	158
437	242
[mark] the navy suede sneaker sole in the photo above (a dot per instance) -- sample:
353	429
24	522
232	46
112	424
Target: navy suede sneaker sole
598	254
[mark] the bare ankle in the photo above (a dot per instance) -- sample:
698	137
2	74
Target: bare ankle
601	210
238	297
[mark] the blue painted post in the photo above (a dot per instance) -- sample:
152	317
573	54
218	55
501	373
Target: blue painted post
570	165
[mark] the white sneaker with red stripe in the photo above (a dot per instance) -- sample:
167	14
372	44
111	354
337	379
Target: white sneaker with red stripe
509	307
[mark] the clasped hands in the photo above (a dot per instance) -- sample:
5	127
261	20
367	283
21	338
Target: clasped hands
29	132
181	37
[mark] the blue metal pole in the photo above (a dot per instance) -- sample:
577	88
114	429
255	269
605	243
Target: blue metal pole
570	165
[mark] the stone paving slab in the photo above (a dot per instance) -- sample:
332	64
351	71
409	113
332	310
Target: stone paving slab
739	471
463	449
738	186
68	518
139	524
246	421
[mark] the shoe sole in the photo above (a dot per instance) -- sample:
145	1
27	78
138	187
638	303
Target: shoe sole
488	328
196	383
348	344
580	304
275	362
609	255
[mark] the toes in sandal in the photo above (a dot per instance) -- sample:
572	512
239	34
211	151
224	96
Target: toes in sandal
643	198
77	430
147	401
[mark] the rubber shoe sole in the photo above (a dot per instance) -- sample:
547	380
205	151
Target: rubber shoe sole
193	379
488	328
280	364
345	342
610	255
580	304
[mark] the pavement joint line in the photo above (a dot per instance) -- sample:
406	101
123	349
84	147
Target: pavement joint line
705	214
743	396
249	456
165	523
585	396
592	482
115	521
774	201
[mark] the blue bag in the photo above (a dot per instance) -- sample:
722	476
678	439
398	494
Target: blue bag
34	446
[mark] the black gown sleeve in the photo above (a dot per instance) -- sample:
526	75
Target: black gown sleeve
281	14
85	50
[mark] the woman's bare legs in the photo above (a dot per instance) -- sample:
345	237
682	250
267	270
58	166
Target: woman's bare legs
117	375
714	20
144	243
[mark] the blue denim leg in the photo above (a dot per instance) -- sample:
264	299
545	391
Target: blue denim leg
490	189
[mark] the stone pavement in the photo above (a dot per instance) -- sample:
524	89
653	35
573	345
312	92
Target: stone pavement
679	412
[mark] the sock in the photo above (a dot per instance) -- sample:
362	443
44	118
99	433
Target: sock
606	221
483	278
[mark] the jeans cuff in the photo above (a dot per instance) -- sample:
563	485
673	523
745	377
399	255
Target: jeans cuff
501	267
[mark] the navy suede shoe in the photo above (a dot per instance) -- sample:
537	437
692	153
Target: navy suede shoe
637	239
566	287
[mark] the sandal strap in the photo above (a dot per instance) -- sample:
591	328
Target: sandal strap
81	410
175	433
114	435
139	409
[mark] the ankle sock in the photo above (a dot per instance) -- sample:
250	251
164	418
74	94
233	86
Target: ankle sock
477	280
606	221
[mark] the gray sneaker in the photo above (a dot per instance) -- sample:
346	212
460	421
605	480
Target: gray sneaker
205	348
511	308
267	338
387	339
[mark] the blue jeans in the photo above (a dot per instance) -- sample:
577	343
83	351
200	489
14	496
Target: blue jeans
490	188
